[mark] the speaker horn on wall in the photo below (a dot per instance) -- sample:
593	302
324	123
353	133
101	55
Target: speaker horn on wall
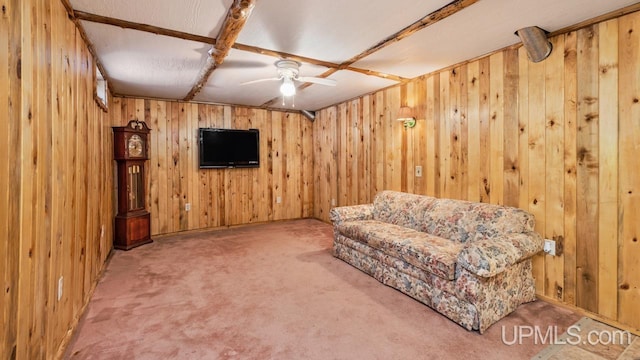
534	40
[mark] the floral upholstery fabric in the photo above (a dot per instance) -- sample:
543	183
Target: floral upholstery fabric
427	252
471	301
338	215
456	220
400	265
489	257
402	209
468	261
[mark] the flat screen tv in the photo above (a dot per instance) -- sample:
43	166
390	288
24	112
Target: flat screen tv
229	148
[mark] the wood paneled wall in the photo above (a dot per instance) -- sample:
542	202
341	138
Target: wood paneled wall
558	138
55	178
222	197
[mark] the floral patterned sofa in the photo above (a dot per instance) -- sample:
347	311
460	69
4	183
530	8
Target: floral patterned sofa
469	261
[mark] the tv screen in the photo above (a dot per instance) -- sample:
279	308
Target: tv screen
224	148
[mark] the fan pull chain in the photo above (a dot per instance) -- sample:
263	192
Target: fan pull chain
293	101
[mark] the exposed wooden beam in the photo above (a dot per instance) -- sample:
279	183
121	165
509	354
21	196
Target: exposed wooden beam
377	73
303	59
234	22
204	39
284	55
428	20
68	7
72	15
81	15
332	71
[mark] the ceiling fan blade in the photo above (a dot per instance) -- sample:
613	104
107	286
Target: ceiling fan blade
259	80
317	80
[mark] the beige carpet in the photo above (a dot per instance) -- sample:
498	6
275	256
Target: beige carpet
273	291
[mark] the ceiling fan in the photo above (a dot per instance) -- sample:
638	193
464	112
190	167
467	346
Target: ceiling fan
288	73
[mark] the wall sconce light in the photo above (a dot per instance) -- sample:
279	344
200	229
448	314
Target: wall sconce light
407	117
534	40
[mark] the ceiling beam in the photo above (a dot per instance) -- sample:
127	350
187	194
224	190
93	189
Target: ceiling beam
72	16
377	73
284	55
234	22
204	39
188	36
81	15
428	20
304	59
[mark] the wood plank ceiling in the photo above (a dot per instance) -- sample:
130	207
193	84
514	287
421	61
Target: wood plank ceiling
203	51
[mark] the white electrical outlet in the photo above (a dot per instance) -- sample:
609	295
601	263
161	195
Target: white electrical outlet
60	284
549	247
278	200
187	207
418	171
333	202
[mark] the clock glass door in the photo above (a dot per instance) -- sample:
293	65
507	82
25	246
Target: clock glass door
135	187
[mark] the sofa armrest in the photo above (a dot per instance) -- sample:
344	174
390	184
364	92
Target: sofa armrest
338	215
489	257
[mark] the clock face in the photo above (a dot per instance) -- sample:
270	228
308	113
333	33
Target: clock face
135	146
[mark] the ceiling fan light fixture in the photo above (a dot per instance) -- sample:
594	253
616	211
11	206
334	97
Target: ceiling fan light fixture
288	88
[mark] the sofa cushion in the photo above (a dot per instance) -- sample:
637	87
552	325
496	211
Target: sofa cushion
456	220
427	252
490	257
402	209
349	213
465	221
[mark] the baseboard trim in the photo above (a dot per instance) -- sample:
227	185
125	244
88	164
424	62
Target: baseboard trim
590	314
225	227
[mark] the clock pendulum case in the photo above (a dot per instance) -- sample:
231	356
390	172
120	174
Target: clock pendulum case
131	152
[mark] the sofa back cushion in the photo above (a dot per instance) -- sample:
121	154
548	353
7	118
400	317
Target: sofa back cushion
455	220
402	209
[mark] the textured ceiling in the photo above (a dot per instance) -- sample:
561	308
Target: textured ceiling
148	65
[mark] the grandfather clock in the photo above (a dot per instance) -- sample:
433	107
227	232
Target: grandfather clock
131	152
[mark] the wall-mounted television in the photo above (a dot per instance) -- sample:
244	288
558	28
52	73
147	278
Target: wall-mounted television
228	148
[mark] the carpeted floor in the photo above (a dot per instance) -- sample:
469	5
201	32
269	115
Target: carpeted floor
274	291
